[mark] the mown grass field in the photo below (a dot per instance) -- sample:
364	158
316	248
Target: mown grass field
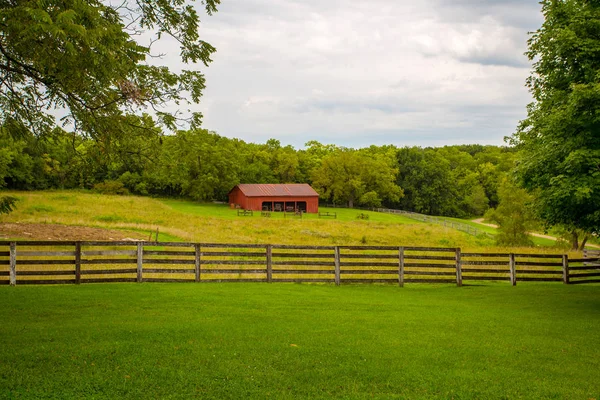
232	341
179	220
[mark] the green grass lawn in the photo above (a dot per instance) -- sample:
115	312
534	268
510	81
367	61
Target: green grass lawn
300	341
224	211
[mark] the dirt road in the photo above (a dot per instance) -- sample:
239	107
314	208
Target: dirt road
480	222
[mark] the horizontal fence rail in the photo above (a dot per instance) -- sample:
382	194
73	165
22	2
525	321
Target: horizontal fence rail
52	262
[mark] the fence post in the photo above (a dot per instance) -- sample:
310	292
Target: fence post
337	265
140	258
565	268
458	267
78	262
12	275
401	266
513	269
197	261
269	263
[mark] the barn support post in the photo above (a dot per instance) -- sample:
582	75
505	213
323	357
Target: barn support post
197	262
458	267
337	265
12	275
140	260
78	262
513	269
269	263
565	268
401	267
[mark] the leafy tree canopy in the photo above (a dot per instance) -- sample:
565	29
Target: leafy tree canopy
84	59
560	139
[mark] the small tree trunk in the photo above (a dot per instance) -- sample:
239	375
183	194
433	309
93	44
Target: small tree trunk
575	242
351	202
583	242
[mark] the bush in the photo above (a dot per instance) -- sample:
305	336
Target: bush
111	187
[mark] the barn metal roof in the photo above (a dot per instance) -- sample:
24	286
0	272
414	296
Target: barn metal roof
280	190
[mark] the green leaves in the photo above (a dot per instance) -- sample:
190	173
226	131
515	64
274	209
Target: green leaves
560	139
82	58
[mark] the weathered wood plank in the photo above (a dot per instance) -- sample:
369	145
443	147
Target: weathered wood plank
559	256
233	280
587	268
485	278
585	281
46	281
27	253
296	255
304	271
303	280
433	273
307	263
231	262
45	262
432	249
512	269
45	273
367	280
565	268
486	270
88	253
337	265
233	246
232	254
197	258
538	271
401	266
428	265
107	280
234	271
413	280
168	271
13	264
302	247
78	263
537	264
585	275
168	280
495	255
368	264
162	261
580	260
140	261
369	272
530	279
54	243
370	256
499	263
269	250
109	271
109	261
168	253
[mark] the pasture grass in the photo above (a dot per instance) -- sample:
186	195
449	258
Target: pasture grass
191	221
233	341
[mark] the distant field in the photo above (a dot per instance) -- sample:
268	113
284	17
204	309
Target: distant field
234	341
180	220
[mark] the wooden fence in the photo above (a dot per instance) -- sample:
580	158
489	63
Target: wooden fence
35	262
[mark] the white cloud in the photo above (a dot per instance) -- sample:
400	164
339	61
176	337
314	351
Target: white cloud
356	73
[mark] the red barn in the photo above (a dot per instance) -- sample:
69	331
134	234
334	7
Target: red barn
280	197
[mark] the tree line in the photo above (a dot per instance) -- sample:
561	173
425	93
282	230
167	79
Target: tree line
458	181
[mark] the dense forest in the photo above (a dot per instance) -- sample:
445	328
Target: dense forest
456	181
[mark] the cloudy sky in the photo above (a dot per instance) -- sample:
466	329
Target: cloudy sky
356	73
